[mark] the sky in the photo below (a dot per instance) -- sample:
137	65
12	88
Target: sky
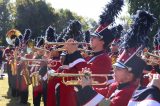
85	8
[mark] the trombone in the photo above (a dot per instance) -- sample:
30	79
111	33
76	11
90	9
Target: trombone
76	82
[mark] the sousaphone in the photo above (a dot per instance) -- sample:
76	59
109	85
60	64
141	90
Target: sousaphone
11	36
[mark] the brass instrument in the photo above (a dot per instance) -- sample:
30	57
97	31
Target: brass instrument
27	59
37	48
63	43
34	65
31	46
11	36
79	49
151	54
14	63
35	62
26	75
152	59
75	82
35	78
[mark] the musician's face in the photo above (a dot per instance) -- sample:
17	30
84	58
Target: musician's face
96	42
121	75
114	48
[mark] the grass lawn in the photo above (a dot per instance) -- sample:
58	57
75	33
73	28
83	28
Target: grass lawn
8	101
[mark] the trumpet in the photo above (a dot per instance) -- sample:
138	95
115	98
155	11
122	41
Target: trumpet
151	54
27	59
75	82
37	61
37	48
152	61
63	43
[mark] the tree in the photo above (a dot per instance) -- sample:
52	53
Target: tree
5	20
63	17
34	15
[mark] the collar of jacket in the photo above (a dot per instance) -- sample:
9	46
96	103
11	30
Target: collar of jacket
123	85
98	53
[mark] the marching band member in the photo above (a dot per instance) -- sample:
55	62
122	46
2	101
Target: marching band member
114	47
114	52
40	88
100	62
52	81
24	79
7	56
53	65
152	61
73	63
13	41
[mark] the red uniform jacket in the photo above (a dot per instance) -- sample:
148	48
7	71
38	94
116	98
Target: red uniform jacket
100	63
118	94
23	85
51	87
67	95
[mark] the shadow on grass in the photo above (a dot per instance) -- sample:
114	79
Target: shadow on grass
15	102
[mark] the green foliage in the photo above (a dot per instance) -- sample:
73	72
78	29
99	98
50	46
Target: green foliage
63	18
5	20
37	16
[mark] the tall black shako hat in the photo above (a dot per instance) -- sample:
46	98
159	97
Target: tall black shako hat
87	36
27	35
117	33
50	34
109	13
74	30
60	37
40	41
135	41
17	42
107	17
105	35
